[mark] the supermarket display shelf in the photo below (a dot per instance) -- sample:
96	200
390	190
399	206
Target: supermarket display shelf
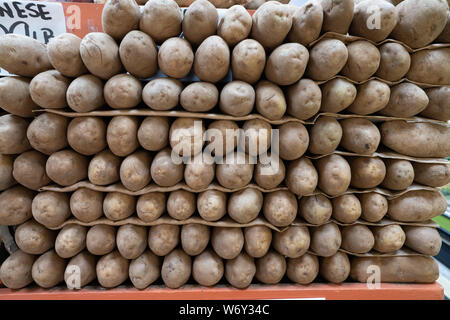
345	291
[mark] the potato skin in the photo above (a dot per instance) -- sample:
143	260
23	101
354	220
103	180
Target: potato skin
394	61
176	269
271	268
430	174
15	96
175	57
334	174
162	93
29	170
337	15
335	268
367	172
144	270
360	136
240	271
64	54
407	100
163	238
33	238
16	270
200	21
164	171
388	238
161	20
181	204
48	89
28	58
337	95
304	269
118	206
199	97
245	205
135	170
248	60
399	174
235	25
50	208
194	238
125	11
374	206
104	168
131	240
211	205
324	136
280	208
325	239
292	242
306	23
270	100
123	91
256	137
70	241
315	209
87	135
227	242
6	172
363	60
15	204
258	240
346	208
47	133
445	34
186	137
85	93
207	268
424	240
294	140
439	106
48	270
85	263
372	96
216	137
301	177
270	173
101	239
212	59
153	133
428	66
326	59
151	206
303	99
121	135
112	270
66	167
357	239
236	172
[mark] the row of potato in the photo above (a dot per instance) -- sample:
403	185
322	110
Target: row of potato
248	253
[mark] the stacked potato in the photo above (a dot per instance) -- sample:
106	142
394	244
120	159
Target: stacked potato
334	167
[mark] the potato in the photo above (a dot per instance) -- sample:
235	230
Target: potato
306	23
235	172
186	136
199	172
413	139
363	60
48	270
424	240
335	268
199	21
50	208
181	204
315	209
389	238
222	137
33	238
6	172
400	269
431	174
139	54
271	24
135	170
337	15
85	93
165	172
100	54
271	268
346	208
194	238
235	25
374	206
286	64
294	140
367	172
407	100
326	58
64	54
153	133
325	239
47	133
29	170
176	268
161	19
227	242
417	206
269	100
360	136
23	55
258	240
13	137
248	60
301	177
445	34
15	96
372	96
163	238
131	240
304	269
120	17
175	57
394	61
207	268
112	270
80	270
256	137
15	272
162	93
303	99
211	205
337	95
280	208
199	97
292	242
334	174
244	205
123	91
237	98
15	205
121	135
151	206
104	168
67	167
325	135
399	174
101	239
420	22
144	270
240	271
269	172
438	107
87	135
428	66
212	59
118	206
357	239
70	241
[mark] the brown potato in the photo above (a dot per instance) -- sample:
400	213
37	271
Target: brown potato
227	242
144	270
346	208
121	135
186	136
161	19
325	135
431	174
175	57
399	174
301	177
325	239
165	172
337	15
139	54
235	25
337	95
104	168
256	137
269	172
292	242
388	238
131	240
407	100
70	241
334	174
85	93
303	270
120	17
48	270
326	58
306	23
118	206
235	172
211	205
258	240
64	54
360	136
153	133
162	93
280	208
428	66
237	98
207	268
67	167
112	270
445	34
50	208
335	268
271	268
270	100
15	205
123	91
47	133
199	97
212	59
357	239
80	270
363	60
15	96
372	96
303	99
194	238
101	239
394	61
315	209
6	172
29	170
244	206
200	171
151	206
13	134
222	137
367	172
15	272
248	60
424	240
438	107
374	206
200	21
87	135
135	170
33	238
294	140
240	271
176	269
181	204
163	238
